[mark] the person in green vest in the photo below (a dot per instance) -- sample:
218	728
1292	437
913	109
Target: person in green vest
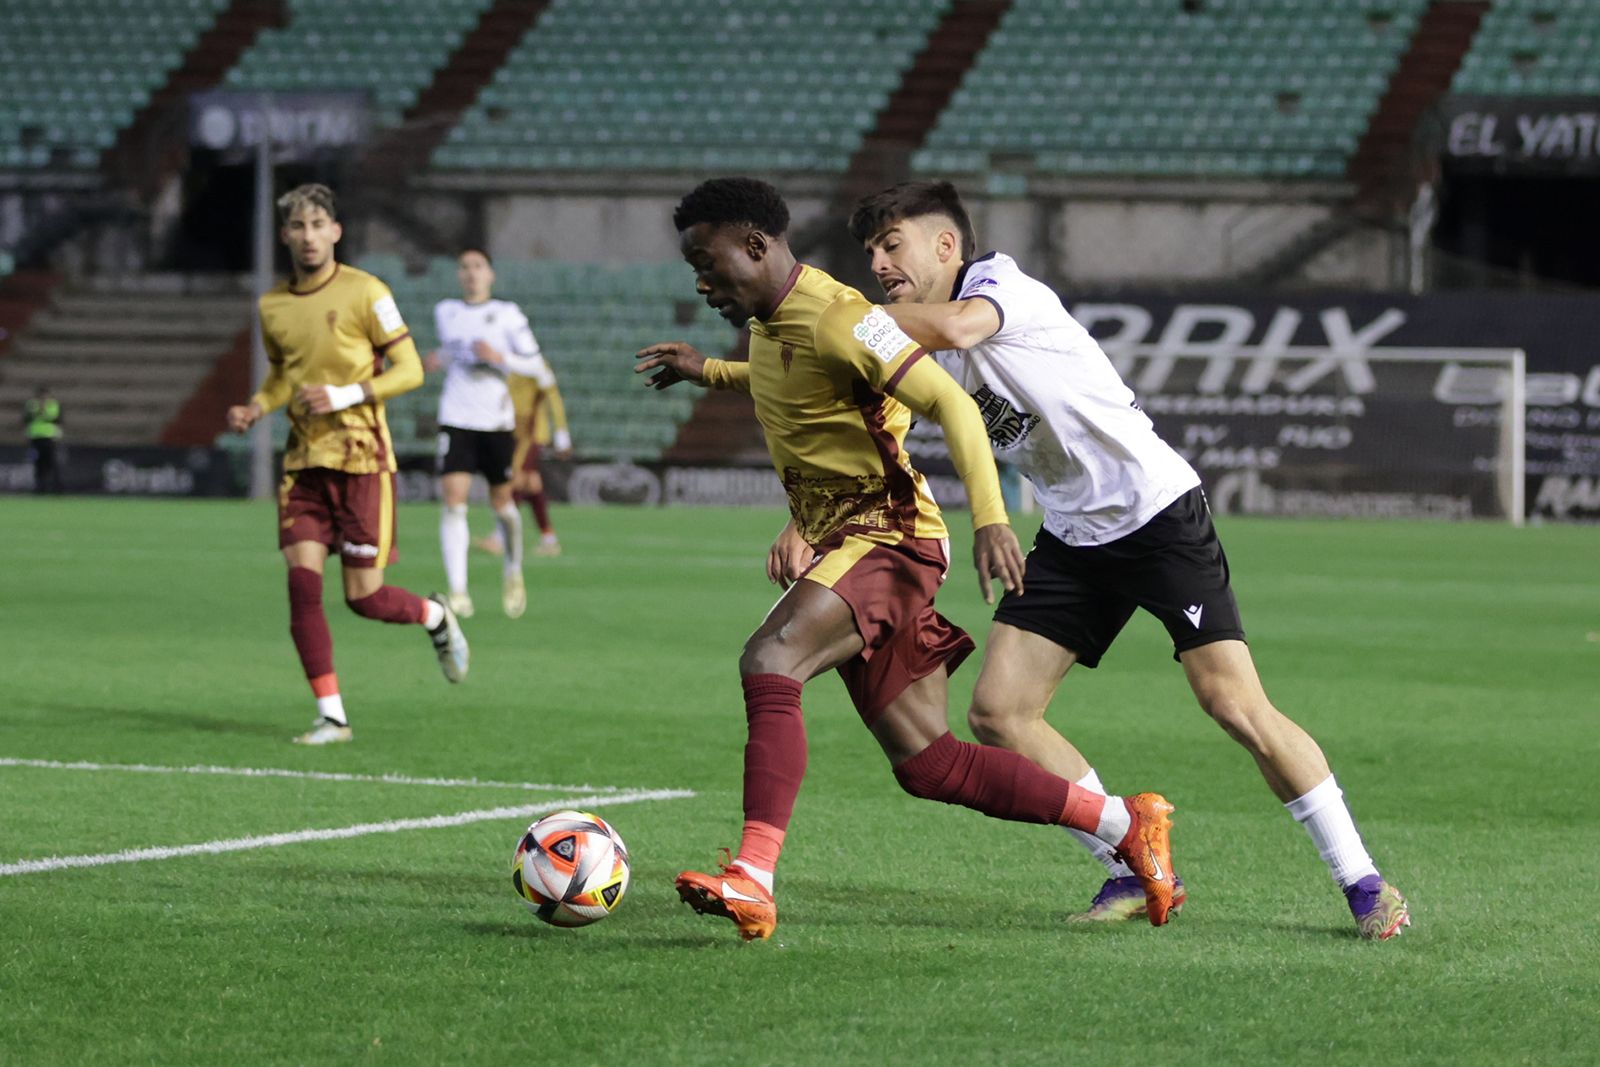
42	417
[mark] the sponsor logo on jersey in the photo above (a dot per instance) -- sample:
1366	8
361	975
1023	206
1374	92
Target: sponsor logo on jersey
333	321
786	353
1007	426
388	314
881	335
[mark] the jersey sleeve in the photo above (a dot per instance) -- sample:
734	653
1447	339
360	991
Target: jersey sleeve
926	389
993	280
274	391
381	314
726	374
523	356
862	338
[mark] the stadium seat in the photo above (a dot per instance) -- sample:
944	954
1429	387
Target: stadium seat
1138	86
570	97
388	47
1533	47
108	57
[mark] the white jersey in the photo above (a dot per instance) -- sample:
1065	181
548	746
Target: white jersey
1057	409
475	394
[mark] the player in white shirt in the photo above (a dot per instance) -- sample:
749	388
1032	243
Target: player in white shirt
481	340
1126	526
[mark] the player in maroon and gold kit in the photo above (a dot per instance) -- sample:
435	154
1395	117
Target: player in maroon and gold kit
835	383
328	332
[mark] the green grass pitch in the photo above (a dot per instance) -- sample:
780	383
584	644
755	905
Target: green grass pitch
1449	672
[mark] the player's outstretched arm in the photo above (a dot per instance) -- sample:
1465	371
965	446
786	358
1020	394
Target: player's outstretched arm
955	324
926	389
673	362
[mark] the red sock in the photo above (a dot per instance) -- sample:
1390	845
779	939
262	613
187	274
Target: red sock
391	604
540	506
998	782
774	765
308	625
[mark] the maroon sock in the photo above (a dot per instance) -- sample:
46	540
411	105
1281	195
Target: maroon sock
540	507
308	625
391	604
775	755
996	782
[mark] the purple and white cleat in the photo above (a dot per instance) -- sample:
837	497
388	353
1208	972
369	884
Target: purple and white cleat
1378	907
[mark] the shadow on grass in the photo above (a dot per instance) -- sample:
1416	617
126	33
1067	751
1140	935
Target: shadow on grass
533	930
166	720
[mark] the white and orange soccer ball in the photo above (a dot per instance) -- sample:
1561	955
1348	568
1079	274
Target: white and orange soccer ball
570	868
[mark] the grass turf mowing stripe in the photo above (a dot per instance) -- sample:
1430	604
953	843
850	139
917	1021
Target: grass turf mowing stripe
318	776
244	844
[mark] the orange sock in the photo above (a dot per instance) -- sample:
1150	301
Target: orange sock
325	685
759	848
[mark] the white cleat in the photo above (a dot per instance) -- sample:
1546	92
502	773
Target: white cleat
461	604
325	732
549	545
514	595
449	642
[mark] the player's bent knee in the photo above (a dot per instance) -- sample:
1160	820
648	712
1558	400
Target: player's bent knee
927	774
991	725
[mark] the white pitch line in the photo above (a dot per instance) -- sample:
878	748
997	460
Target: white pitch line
244	844
316	776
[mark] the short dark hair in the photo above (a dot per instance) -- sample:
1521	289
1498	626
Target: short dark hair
487	258
909	200
721	201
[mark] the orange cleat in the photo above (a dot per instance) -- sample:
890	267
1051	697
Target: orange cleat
732	894
1147	850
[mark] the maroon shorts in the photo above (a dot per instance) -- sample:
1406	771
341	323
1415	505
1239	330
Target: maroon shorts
527	455
353	514
890	591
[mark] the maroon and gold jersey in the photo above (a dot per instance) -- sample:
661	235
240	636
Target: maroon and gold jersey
832	376
339	333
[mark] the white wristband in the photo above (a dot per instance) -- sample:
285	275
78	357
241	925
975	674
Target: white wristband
346	396
563	440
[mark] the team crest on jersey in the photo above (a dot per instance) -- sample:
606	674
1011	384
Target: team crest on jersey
1007	426
333	321
786	353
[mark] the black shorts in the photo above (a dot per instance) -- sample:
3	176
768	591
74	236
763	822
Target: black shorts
485	452
1173	566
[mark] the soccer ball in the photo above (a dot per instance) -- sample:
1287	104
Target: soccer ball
570	868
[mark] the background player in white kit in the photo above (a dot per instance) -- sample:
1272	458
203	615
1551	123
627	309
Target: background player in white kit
1126	526
481	340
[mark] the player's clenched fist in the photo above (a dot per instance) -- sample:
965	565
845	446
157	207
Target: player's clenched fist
243	416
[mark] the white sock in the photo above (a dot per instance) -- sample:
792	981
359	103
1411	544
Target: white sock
332	709
1323	813
1114	821
432	614
761	876
454	538
508	525
1104	854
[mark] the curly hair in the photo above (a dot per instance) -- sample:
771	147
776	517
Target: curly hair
734	200
909	200
311	193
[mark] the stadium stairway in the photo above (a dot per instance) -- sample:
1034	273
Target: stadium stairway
22	295
900	128
121	357
454	88
155	144
1381	167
